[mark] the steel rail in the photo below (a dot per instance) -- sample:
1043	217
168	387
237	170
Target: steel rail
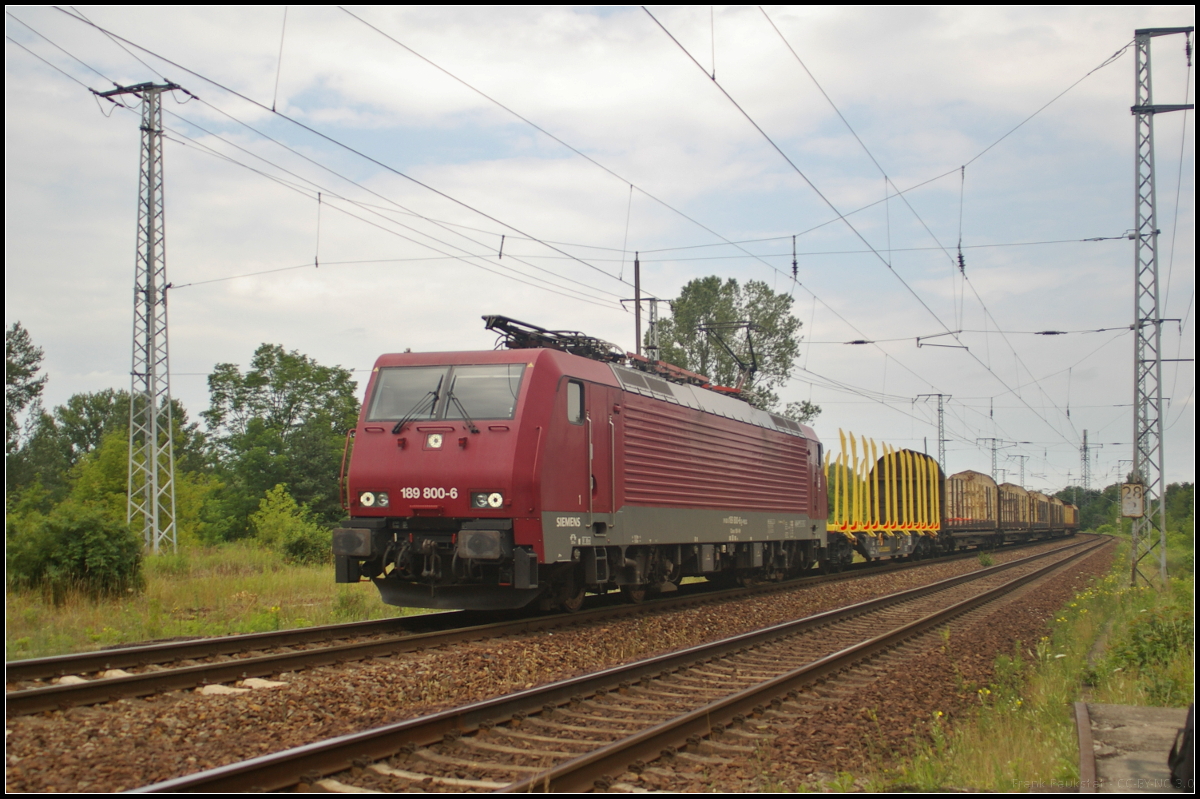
581	773
54	697
1087	750
283	769
159	653
143	655
146	654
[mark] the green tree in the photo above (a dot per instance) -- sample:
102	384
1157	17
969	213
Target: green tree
1095	507
22	362
803	412
57	441
1101	507
774	336
86	418
281	422
1181	507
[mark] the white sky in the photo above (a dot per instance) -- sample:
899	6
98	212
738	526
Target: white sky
927	90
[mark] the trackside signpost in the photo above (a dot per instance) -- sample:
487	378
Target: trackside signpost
1133	496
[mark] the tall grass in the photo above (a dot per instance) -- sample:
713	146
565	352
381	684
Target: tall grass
234	588
1111	643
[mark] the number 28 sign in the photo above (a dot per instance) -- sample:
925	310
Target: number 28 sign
1133	500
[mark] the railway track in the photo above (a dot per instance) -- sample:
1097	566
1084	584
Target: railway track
146	670
690	707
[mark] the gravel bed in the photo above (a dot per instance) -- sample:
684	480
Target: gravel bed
879	721
134	742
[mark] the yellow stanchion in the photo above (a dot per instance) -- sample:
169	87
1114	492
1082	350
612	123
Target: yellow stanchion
857	494
844	518
935	480
874	486
920	489
829	512
882	490
909	507
893	494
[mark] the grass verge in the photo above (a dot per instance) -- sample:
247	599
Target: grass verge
235	588
1109	644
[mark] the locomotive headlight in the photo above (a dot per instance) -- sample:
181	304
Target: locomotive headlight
367	499
382	499
434	441
484	500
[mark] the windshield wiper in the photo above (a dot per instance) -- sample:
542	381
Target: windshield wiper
431	397
466	417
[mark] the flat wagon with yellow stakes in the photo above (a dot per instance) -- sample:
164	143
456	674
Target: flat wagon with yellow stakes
888	503
892	503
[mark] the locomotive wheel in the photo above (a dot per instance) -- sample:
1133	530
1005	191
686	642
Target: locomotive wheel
634	594
573	601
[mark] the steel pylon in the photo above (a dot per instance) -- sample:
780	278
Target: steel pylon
1149	530
151	502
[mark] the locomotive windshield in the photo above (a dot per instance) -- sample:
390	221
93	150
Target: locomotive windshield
407	392
422	393
485	392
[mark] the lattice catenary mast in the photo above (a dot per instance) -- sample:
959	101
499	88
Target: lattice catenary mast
941	398
1147	321
151	445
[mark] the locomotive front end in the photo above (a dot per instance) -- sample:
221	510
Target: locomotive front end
439	515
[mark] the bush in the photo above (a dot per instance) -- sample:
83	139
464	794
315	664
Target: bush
1155	636
78	547
309	543
283	524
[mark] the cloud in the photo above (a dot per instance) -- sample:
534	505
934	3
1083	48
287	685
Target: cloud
926	89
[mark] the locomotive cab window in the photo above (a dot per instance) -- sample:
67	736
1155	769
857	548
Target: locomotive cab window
423	393
410	392
484	392
574	402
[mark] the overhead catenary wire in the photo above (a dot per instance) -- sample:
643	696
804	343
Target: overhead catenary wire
573	149
266	271
841	216
234	161
1175	218
279	63
606	169
331	140
1111	59
117	40
614	174
891	401
41	36
393	203
372	209
376	210
567	244
826	305
467	258
961	271
959	262
813	253
1009	332
123	47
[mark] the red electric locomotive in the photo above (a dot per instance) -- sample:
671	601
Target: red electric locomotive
560	465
